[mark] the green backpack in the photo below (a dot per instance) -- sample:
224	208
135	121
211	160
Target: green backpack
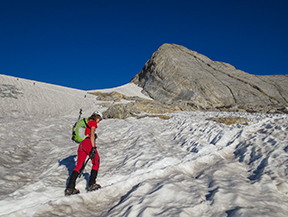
78	133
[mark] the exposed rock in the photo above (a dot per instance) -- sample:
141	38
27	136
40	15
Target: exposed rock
142	106
175	74
179	79
164	117
136	105
230	120
111	96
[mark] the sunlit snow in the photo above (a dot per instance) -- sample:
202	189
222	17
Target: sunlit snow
184	166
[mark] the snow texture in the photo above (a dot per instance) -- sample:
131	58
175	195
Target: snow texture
184	166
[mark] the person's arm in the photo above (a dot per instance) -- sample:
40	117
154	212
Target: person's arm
92	136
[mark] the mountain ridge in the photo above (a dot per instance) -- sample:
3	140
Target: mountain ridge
177	74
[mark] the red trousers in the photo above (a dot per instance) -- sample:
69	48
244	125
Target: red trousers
84	150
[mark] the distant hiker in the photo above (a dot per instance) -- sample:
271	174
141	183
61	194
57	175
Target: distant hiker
87	148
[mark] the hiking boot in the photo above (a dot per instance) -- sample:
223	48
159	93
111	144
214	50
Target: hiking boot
70	191
93	187
93	176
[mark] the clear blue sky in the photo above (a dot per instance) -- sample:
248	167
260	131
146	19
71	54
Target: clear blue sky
91	44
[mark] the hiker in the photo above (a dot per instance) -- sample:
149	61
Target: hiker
87	148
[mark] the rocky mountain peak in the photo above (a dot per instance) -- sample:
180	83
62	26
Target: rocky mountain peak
177	74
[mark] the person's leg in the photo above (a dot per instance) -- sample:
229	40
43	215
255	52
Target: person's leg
96	161
94	172
82	155
72	180
93	176
71	185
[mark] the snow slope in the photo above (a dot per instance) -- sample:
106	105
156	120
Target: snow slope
184	166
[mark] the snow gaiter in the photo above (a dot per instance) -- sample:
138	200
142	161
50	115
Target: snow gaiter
93	177
72	180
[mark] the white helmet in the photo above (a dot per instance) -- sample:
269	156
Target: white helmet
98	113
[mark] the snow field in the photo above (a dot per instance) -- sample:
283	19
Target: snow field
184	166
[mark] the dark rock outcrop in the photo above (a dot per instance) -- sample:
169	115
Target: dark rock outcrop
175	74
134	106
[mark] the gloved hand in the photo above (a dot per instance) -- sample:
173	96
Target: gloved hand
92	153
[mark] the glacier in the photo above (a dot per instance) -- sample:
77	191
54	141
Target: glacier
184	166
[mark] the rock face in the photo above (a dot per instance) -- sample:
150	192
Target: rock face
175	74
134	106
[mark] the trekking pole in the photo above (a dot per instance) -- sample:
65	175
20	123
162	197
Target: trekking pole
80	113
83	167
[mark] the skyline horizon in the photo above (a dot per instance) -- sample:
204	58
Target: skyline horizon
95	45
138	72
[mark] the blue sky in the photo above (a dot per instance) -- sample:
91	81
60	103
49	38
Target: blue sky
91	44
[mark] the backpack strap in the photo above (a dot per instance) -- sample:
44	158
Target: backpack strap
86	124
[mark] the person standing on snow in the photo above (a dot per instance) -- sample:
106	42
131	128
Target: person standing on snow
87	147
